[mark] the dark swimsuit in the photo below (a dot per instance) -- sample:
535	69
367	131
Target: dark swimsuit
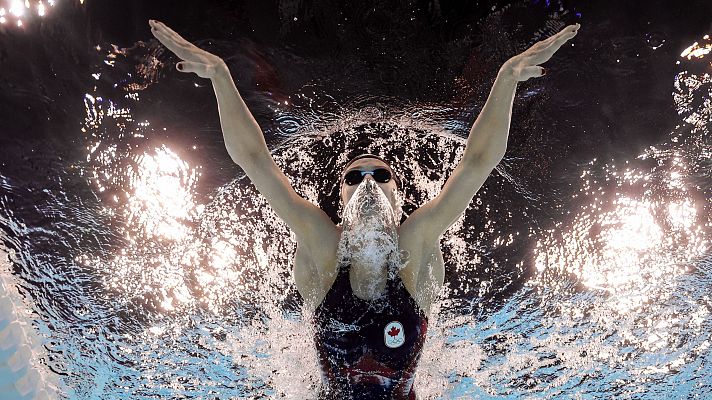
368	349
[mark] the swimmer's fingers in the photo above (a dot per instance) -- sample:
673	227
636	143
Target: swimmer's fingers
201	69
544	50
520	69
172	36
557	36
525	65
163	28
175	43
523	74
181	47
196	59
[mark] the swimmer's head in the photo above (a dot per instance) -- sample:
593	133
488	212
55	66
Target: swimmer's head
370	162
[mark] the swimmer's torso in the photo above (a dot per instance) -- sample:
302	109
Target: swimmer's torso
370	283
368	349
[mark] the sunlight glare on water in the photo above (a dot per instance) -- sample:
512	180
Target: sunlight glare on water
636	238
161	200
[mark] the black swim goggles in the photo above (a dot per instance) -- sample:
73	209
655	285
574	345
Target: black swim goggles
354	177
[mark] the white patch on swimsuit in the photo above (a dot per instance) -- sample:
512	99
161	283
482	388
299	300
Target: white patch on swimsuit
338	326
394	335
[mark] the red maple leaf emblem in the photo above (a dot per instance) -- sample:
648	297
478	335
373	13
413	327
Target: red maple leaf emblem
394	331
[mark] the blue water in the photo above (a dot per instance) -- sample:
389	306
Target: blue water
141	263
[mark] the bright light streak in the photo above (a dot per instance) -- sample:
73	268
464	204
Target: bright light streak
696	51
17	9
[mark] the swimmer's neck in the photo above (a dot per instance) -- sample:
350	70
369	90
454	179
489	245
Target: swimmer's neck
368	279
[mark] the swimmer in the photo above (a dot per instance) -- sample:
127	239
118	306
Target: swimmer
371	281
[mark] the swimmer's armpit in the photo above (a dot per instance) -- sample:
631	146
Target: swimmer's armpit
437	215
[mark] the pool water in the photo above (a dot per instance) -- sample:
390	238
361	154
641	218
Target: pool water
139	262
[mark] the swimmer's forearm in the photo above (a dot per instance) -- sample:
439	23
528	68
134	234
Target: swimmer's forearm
487	141
243	137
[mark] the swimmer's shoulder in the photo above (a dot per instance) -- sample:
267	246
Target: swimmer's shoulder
423	271
315	263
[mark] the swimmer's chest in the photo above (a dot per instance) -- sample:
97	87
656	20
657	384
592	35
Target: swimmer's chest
423	288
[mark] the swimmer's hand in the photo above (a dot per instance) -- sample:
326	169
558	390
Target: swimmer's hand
204	64
524	66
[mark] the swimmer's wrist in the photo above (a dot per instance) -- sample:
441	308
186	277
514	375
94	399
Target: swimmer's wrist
221	70
506	72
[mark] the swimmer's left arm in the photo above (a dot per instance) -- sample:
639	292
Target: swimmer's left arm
487	142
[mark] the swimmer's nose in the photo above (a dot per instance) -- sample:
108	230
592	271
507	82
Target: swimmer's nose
369	182
369	185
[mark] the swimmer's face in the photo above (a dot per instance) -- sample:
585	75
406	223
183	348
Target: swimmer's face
369	164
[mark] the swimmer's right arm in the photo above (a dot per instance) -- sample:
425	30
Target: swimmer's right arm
234	115
245	142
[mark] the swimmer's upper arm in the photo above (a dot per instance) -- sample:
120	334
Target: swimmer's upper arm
433	218
306	220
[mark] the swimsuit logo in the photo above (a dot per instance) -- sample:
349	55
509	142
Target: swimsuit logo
393	334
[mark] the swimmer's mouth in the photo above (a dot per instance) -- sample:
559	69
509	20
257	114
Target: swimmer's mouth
368	205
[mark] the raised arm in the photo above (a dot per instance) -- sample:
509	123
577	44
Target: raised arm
245	142
246	145
486	143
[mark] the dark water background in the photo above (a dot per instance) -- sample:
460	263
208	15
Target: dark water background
582	270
